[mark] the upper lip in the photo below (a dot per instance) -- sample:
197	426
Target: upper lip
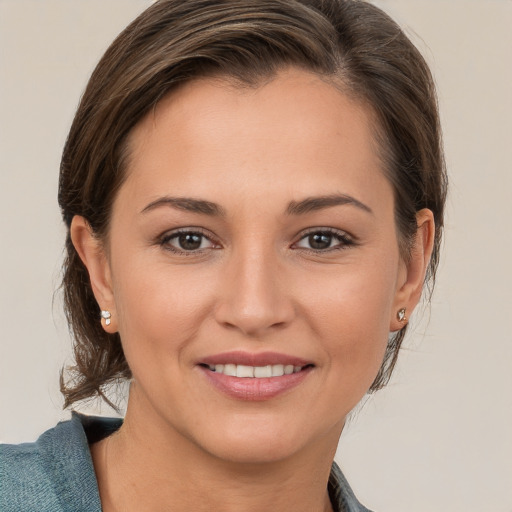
254	359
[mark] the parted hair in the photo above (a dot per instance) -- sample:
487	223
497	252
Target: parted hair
349	42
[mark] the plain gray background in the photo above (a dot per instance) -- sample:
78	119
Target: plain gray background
440	436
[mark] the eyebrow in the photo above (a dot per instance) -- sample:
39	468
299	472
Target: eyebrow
188	204
307	205
311	204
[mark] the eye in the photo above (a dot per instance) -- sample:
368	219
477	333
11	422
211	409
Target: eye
325	240
186	241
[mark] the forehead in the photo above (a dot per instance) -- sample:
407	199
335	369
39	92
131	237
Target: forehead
295	130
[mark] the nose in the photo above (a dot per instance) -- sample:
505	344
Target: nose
255	298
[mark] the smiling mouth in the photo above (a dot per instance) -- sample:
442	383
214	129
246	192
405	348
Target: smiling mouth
255	372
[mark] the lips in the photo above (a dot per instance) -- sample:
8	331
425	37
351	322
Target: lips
258	377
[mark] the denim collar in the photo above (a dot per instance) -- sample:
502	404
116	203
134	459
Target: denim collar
65	454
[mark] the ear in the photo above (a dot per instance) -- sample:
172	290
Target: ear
93	256
412	273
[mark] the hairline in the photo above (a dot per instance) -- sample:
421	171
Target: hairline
379	140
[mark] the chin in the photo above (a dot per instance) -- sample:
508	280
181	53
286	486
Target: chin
258	450
262	442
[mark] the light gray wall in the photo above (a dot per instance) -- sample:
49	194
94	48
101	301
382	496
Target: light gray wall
439	437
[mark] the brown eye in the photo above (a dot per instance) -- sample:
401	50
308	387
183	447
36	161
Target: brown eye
189	241
325	240
320	240
186	241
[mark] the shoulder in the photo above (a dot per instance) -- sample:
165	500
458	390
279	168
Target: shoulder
341	494
55	473
23	481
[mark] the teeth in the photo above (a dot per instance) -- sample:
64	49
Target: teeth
244	371
278	370
230	369
258	372
262	371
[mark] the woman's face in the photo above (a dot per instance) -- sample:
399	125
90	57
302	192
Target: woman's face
254	234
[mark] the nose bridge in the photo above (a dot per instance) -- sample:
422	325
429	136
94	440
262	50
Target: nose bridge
255	296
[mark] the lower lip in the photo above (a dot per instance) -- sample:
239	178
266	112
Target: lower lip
253	389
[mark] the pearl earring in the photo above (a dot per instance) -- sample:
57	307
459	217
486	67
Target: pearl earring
401	315
106	316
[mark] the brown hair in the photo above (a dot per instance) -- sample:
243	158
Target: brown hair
350	42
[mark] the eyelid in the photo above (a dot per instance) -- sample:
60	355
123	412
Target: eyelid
166	236
347	240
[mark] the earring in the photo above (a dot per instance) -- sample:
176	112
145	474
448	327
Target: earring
106	316
401	315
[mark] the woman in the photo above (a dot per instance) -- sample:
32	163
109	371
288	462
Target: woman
254	195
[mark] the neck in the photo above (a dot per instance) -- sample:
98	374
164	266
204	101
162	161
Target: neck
148	465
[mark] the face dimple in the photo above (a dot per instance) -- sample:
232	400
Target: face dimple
315	282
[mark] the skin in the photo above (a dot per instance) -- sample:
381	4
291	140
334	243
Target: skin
254	285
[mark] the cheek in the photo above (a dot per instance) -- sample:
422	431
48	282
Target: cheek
351	314
160	308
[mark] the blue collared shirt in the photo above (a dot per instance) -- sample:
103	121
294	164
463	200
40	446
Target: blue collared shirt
56	473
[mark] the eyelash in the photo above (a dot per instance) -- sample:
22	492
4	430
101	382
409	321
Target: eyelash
345	240
167	237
